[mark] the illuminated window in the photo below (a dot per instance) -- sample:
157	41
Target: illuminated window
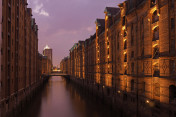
155	17
156	34
156	52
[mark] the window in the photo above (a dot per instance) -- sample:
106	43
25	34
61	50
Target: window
172	93
132	54
172	3
132	68
123	22
125	58
172	67
132	85
156	34
172	46
156	70
117	45
125	45
156	52
155	17
172	23
125	33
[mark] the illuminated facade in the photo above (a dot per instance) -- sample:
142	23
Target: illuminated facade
65	65
134	55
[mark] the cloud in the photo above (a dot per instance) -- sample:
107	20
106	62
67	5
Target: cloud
39	8
43	12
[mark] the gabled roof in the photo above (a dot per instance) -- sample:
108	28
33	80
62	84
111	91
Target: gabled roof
112	10
100	22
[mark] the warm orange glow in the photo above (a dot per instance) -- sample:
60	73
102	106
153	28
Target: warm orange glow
124	40
147	101
118	91
155	27
107	46
149	20
155	45
106	17
123	28
108	56
153	9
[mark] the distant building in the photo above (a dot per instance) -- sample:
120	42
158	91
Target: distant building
48	52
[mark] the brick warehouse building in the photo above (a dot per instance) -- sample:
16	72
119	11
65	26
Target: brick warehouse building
20	61
134	57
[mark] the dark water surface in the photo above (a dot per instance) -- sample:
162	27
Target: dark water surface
61	99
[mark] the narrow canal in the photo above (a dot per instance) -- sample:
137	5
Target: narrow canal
60	98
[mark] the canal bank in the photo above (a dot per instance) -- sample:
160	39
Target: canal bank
124	104
16	103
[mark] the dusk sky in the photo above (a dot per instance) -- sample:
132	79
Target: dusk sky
64	22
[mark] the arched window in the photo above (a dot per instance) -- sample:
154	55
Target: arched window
156	52
156	34
132	85
172	93
156	70
125	45
155	17
125	58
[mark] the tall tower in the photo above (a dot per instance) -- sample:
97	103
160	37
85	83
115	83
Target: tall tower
48	52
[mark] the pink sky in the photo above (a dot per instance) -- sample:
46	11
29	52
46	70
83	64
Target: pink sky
64	22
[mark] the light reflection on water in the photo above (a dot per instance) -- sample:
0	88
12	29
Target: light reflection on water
61	99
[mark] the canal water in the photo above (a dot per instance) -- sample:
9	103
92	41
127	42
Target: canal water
60	98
